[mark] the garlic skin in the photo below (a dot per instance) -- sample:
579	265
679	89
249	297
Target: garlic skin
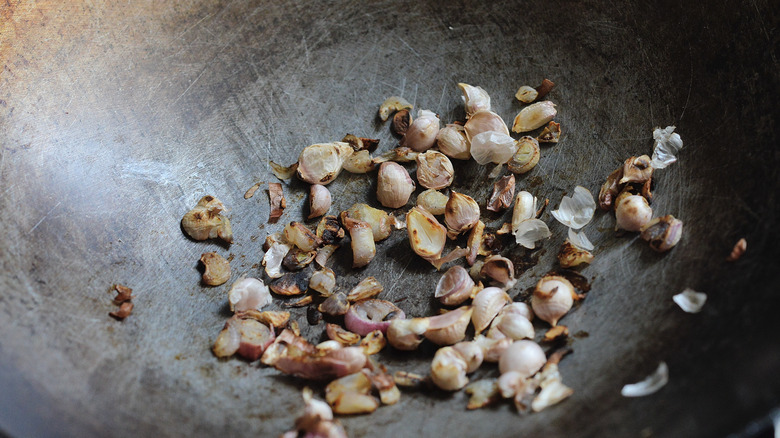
580	240
534	116
690	301
531	231
523	357
484	121
492	147
526	156
649	385
421	134
433	201
205	221
426	235
487	303
454	287
552	298
453	143
272	260
460	214
434	170
503	192
576	210
394	185
667	146
448	369
319	200
474	99
632	212
391	105
248	294
321	163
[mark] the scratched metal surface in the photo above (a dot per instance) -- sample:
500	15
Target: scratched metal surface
116	118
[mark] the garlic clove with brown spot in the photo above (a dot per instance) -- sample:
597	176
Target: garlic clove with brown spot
570	256
391	105
362	242
205	221
454	287
526	94
394	185
637	170
359	162
534	116
433	201
526	157
499	269
448	369
426	235
434	170
421	134
524	357
484	121
217	269
552	298
319	200
662	233
460	214
449	328
453	143
632	212
487	303
475	99
321	163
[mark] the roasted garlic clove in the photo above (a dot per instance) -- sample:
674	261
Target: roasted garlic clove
570	256
460	214
487	303
499	269
475	99
391	105
369	287
526	157
610	189
297	259
205	221
454	287
426	235
524	357
737	251
550	134
401	122
662	233
323	281
380	221
321	163
472	353
329	231
453	143
433	201
394	185
362	242
319	200
448	369
434	170
297	234
407	334
552	298
217	269
534	116
360	162
449	328
637	170
632	212
421	134
526	94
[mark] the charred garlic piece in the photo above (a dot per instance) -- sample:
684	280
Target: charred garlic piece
426	235
434	170
550	134
359	162
570	255
526	157
662	233
534	116
394	185
421	134
401	122
329	231
321	163
205	221
391	105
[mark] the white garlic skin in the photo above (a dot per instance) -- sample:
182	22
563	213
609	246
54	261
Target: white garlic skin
484	121
633	212
421	134
248	294
492	147
524	357
448	369
552	298
453	143
394	185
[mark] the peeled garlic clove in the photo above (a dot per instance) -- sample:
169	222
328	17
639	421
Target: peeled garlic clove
391	105
217	269
499	269
323	281
372	344
319	200
454	287
488	302
525	208
570	256
421	134
524	357
534	116
381	222
472	354
369	287
632	212
531	231
359	162
492	147
448	369
321	163
394	185
300	236
526	157
475	99
205	221
406	334
434	202
526	94
484	121
460	214
336	304
426	235
362	242
662	233
248	294
453	143
552	298
434	170
228	340
503	192
637	170
576	210
450	327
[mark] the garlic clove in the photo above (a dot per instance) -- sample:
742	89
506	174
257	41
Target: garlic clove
302	237
381	222
433	201
450	327
662	233
401	122
492	349
552	298
426	235
460	214
484	121
525	208
637	170
391	105
319	200
394	185
283	172
323	281
499	269
448	369
406	334
369	287
453	143
228	340
487	303
217	269
454	287
519	309
570	256
511	383
526	156
329	231
434	170
359	162
471	353
205	221
492	147
255	338
514	326
503	192
373	343
324	254
421	134
362	242
345	337
524	357
321	163
475	242
632	212
737	251
526	94
534	116
475	99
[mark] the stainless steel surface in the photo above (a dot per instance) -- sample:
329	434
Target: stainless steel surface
115	118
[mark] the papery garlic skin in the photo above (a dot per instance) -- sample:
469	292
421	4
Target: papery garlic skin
394	185
690	301
649	385
577	210
524	357
484	121
421	134
580	240
530	231
492	147
248	294
667	146
474	99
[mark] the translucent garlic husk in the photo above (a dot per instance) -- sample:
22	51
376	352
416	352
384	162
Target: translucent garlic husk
321	163
552	298
448	369
426	235
530	231
524	357
460	214
492	147
474	99
580	240
576	210
632	212
248	294
421	134
394	185
433	201
484	121
487	303
453	143
649	385
667	146
434	170
534	116
526	157
273	257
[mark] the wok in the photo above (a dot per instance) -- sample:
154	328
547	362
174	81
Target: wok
116	117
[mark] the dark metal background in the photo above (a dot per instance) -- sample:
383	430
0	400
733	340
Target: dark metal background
116	117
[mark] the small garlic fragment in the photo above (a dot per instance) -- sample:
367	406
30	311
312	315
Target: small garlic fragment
580	240
610	189
526	157
329	231
739	249
283	172
273	258
484	121
406	334
362	242
297	259
667	146
421	134
391	105
319	200
394	185
205	221
321	163
534	116
690	301
524	357
434	170
637	170
368	287
460	214
426	235
433	201
662	233
448	369
487	303
359	162
648	386
248	294
474	99
552	298
632	212
351	394
217	269
550	134
577	210
526	94
323	281
530	231
300	236
453	143
500	270
503	192
570	256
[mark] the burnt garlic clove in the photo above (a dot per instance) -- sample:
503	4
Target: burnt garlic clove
526	157
662	233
